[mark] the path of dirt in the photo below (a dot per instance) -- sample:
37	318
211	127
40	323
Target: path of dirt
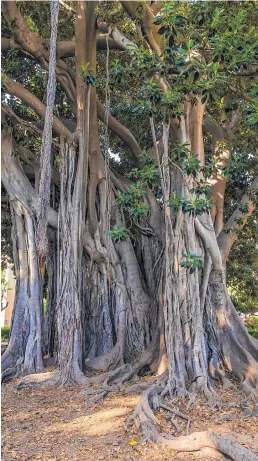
58	425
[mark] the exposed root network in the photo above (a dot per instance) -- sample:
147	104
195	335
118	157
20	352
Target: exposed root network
145	419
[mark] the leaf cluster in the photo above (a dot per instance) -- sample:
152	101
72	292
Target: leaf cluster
133	201
195	206
191	261
119	233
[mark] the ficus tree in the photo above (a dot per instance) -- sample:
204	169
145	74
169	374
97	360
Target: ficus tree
149	179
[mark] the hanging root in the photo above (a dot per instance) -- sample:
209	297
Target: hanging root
144	418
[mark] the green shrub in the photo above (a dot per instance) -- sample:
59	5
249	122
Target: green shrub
253	333
5	332
252	323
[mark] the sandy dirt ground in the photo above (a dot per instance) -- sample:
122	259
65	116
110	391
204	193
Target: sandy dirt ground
54	424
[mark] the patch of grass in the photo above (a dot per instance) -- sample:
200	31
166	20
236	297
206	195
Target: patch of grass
253	333
5	333
252	323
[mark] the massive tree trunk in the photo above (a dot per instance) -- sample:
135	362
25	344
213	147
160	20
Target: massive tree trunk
121	305
69	322
24	352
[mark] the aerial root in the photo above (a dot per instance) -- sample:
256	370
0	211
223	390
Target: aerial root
144	418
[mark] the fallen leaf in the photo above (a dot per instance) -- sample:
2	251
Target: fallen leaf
132	442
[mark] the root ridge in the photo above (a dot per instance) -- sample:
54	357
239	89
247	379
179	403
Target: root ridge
145	419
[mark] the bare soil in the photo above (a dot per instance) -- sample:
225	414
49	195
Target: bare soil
56	424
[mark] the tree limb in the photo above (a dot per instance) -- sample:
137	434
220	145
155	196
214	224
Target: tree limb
218	181
234	225
115	34
67	7
18	90
120	130
66	48
148	28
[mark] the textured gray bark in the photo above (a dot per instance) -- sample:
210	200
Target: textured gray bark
24	354
45	157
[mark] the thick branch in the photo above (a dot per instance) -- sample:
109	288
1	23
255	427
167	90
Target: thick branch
120	130
15	181
66	49
67	7
218	181
18	90
33	44
148	28
235	223
120	40
7	44
30	42
28	126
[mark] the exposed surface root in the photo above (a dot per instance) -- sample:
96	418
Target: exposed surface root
41	379
248	413
175	412
11	367
143	409
199	440
249	390
145	419
9	374
99	397
47	379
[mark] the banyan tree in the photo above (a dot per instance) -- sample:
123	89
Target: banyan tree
129	160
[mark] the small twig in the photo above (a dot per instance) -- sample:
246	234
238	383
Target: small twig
174	411
188	427
175	424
